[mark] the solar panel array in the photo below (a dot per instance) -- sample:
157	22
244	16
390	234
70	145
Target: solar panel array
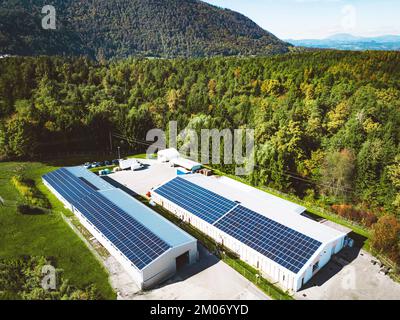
201	202
134	240
287	247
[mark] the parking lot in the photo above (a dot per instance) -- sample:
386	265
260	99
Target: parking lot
351	276
208	279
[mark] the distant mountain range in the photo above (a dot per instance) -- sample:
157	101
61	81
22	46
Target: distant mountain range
106	29
350	42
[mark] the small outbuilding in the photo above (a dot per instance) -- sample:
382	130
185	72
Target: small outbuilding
186	164
167	155
129	164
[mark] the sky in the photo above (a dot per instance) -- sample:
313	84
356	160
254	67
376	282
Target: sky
317	19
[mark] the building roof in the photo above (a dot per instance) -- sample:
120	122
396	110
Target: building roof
270	225
139	233
275	208
82	172
160	226
169	153
186	163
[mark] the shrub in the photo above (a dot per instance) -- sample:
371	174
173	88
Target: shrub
349	212
386	237
28	190
21	278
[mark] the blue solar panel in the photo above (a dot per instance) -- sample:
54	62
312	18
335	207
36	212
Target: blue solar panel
285	246
201	202
135	241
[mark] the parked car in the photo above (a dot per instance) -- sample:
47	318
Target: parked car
87	165
115	162
107	163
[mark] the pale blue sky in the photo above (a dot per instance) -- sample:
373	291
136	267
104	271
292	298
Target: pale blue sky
301	19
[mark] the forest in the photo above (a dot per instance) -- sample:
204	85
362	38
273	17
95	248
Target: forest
326	122
105	30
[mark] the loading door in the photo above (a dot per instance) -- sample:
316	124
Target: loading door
182	260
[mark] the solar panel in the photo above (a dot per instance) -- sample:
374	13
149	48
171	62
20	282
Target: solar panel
201	202
134	240
285	246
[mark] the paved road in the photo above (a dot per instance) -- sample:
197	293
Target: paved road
351	277
209	279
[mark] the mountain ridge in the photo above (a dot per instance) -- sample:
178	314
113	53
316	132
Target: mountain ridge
104	30
345	41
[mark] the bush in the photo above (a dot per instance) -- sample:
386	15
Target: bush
21	278
386	238
30	193
349	212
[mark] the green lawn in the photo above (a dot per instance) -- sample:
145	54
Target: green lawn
46	235
141	156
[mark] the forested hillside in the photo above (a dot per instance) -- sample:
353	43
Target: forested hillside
104	29
327	123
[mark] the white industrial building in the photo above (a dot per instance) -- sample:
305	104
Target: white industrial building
110	215
187	164
129	164
172	156
167	155
322	241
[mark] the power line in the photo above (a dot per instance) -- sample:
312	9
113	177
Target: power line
286	173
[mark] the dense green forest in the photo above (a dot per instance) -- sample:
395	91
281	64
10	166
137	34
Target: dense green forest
105	29
326	123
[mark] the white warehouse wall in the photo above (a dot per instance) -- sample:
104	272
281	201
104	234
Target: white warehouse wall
159	270
323	258
268	268
165	266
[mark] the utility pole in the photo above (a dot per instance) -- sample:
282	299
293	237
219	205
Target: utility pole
111	145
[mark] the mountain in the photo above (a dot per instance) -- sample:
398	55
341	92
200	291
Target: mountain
349	42
120	28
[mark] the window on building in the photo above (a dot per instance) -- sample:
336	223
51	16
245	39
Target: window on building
315	267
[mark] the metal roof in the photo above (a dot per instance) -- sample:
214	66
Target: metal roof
160	226
186	163
282	211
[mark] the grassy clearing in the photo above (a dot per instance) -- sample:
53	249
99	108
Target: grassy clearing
46	235
142	156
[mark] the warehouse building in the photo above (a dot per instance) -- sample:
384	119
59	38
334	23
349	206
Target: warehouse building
267	232
149	247
167	155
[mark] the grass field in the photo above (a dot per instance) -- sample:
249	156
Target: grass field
46	235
